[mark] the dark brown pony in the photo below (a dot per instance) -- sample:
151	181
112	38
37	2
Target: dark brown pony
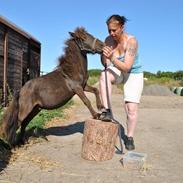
56	88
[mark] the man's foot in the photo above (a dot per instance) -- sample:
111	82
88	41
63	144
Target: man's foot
106	115
129	143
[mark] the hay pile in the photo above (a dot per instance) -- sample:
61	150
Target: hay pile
157	90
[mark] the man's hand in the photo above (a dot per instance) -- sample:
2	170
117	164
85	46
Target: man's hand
108	52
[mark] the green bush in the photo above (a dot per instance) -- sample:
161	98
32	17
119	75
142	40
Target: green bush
94	72
181	82
92	80
94	75
169	82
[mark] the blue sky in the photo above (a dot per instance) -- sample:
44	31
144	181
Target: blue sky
157	25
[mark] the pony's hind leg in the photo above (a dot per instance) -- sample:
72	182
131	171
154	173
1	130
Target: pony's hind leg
21	135
10	124
25	108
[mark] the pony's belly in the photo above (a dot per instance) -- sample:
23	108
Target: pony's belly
53	102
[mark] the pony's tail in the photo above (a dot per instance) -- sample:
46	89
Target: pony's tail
10	121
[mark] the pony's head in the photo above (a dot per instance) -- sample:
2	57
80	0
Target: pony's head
86	41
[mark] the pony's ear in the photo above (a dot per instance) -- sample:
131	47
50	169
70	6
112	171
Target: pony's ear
72	34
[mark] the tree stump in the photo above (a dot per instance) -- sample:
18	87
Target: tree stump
99	139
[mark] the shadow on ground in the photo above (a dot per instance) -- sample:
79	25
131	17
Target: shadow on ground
76	127
5	150
66	130
56	130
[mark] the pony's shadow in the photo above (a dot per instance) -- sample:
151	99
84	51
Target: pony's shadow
5	150
76	127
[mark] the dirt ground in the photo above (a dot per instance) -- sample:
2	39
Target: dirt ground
159	134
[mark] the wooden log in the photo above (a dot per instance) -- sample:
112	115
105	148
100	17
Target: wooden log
99	139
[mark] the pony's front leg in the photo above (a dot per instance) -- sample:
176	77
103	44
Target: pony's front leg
79	91
96	92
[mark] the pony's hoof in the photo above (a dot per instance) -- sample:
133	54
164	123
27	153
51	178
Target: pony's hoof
18	142
4	144
97	116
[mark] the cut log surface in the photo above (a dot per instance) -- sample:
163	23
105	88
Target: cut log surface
99	139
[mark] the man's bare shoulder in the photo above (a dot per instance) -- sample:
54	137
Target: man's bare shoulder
132	41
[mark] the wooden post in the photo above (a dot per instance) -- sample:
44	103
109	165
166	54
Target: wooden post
5	68
21	67
99	140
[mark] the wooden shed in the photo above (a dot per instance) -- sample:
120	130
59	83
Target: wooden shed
19	58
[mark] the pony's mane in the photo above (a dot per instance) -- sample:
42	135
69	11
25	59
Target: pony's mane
80	33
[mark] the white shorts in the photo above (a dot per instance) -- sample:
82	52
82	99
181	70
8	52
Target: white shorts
133	85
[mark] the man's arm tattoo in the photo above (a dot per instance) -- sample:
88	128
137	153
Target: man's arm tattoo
132	50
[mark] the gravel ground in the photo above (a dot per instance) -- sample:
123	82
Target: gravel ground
58	160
